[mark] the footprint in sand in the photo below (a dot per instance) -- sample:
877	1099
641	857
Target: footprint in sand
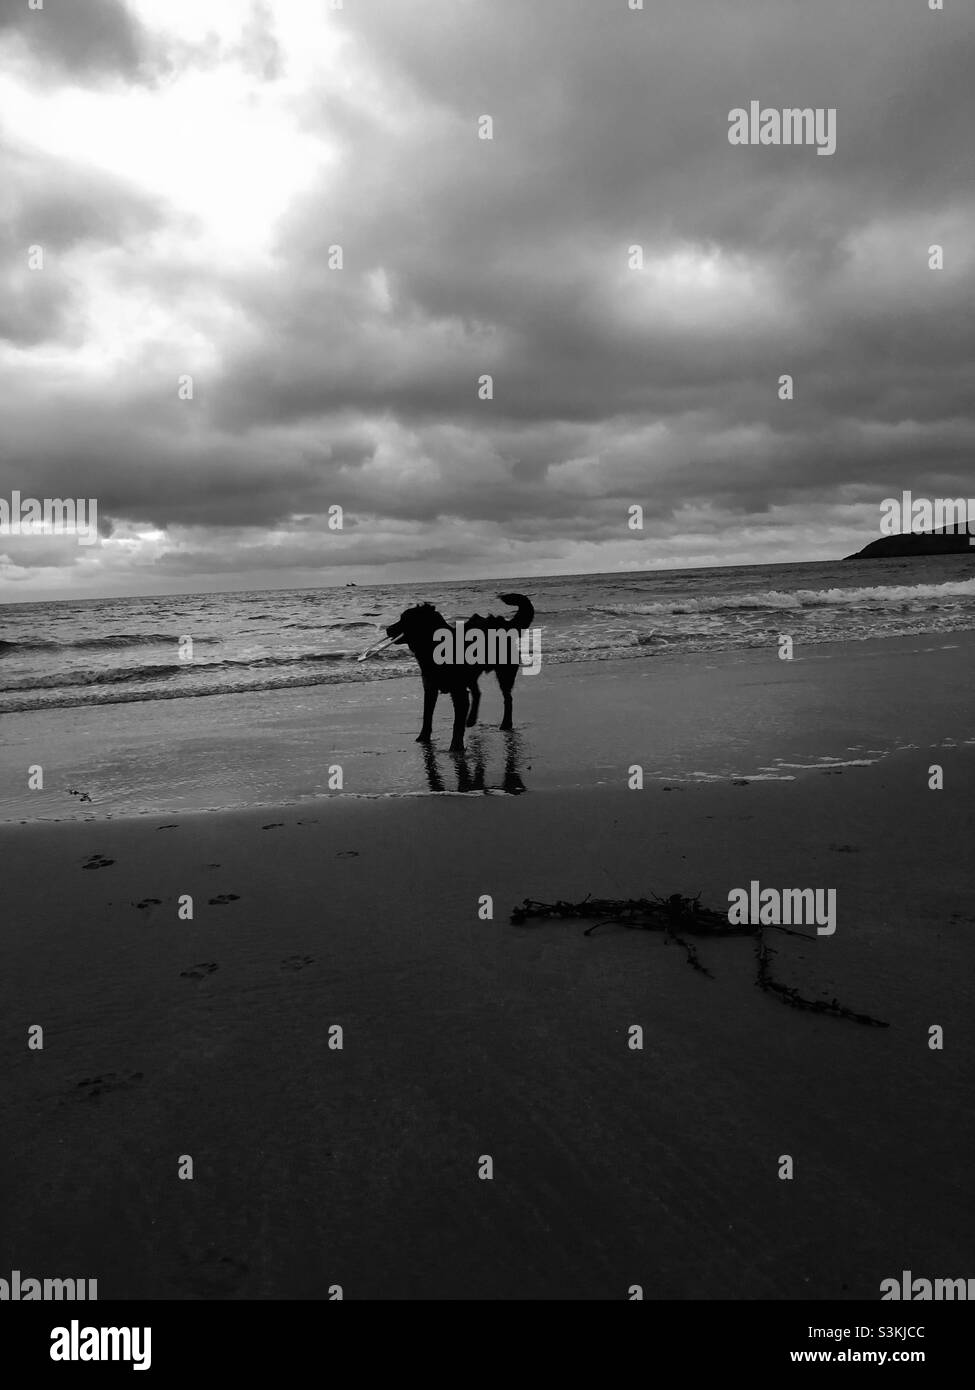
348	854
275	825
148	902
210	1273
211	866
172	826
222	898
845	849
94	1087
297	962
308	822
199	972
98	861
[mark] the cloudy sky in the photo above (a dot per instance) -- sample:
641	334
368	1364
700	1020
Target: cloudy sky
186	166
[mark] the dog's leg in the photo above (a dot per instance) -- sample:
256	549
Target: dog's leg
506	679
429	705
475	704
459	698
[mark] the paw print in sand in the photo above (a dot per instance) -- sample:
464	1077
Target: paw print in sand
97	861
94	1087
297	962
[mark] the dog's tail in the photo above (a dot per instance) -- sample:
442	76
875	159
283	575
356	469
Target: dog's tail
525	607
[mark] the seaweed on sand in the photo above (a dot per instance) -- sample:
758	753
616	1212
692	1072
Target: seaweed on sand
678	915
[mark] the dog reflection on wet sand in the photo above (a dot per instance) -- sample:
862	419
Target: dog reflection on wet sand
469	768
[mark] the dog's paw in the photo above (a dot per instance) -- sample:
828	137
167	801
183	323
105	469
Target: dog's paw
425	738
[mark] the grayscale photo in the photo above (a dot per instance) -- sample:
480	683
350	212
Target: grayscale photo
487	638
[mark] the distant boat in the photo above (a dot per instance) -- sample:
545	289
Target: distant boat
352	584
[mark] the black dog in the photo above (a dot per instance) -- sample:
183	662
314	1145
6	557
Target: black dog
420	628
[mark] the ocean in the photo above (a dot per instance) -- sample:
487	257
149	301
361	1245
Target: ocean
88	652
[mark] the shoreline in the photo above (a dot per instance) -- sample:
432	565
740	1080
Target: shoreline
743	716
659	782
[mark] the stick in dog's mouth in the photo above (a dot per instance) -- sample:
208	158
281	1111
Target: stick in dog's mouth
376	647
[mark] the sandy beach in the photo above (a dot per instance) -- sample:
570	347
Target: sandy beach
465	1036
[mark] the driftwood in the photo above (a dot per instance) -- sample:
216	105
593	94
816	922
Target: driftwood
678	915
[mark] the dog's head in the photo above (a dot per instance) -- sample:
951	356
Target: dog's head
416	626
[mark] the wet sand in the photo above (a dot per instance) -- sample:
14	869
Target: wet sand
581	725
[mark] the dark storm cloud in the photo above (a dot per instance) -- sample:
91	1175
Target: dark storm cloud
509	257
506	257
58	204
58	208
87	38
148	462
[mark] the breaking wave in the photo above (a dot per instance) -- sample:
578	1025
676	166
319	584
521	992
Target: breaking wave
118	640
774	600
